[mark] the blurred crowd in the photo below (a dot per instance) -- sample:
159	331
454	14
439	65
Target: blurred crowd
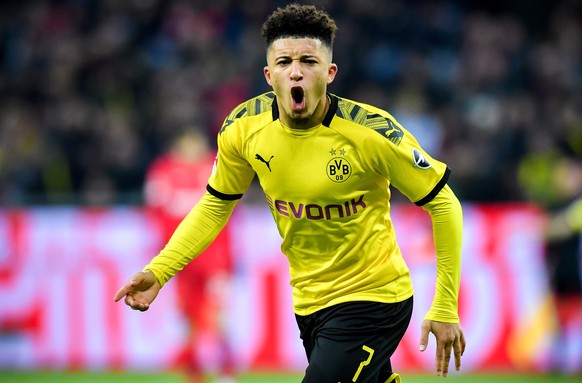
91	92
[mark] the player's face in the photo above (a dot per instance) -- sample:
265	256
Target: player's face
299	70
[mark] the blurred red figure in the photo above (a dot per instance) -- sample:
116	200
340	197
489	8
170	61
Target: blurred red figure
174	183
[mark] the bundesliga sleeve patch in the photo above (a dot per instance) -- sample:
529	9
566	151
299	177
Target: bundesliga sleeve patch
418	160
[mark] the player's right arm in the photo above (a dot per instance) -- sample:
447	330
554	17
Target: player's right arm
193	235
230	178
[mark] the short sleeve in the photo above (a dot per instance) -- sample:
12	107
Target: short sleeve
409	168
231	174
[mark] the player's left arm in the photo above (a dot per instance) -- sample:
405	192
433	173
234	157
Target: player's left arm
443	319
419	176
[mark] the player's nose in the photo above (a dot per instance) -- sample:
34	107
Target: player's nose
296	73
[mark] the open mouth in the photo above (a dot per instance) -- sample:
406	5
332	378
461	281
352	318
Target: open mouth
297	94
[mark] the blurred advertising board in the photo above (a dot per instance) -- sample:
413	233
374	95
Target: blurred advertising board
61	266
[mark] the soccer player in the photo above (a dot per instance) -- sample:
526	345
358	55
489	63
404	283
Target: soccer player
174	182
325	164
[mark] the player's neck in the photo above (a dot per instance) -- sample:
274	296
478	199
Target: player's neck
312	121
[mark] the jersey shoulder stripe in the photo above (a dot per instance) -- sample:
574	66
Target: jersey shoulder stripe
437	188
370	117
251	107
222	196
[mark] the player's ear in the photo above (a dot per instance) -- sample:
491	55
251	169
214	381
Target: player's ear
331	73
267	74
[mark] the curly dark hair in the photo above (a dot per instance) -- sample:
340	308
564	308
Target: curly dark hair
296	20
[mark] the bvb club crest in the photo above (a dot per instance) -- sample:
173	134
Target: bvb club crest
339	169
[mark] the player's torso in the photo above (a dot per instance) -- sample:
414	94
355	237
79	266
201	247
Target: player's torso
330	204
305	174
321	192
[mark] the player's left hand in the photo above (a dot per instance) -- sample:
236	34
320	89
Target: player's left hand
449	337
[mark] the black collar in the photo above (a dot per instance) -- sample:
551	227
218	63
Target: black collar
328	116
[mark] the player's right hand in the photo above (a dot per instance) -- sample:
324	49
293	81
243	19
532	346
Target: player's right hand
140	291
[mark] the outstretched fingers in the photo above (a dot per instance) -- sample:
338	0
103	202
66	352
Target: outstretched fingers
130	287
139	291
459	348
123	291
131	294
443	355
450	341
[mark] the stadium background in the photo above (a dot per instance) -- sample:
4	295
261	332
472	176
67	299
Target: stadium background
92	91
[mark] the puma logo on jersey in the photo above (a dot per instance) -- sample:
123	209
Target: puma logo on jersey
268	163
418	160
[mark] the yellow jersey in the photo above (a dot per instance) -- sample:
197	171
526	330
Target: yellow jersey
328	188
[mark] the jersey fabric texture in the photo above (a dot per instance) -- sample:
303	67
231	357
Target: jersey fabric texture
353	341
328	188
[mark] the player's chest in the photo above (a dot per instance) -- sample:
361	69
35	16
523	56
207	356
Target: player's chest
318	165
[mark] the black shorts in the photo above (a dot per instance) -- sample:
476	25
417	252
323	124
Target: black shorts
353	341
